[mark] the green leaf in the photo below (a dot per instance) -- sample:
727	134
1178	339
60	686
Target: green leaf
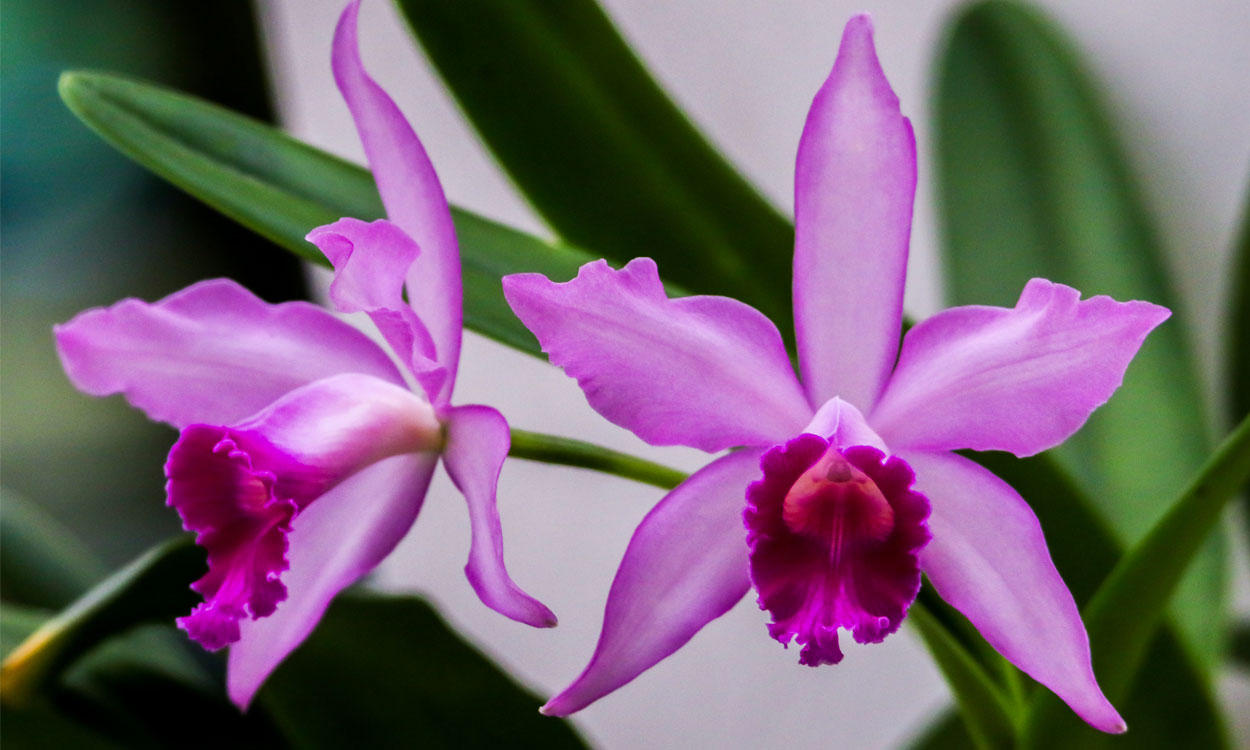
41	563
1032	182
282	188
135	691
153	588
396	675
1239	323
599	149
947	732
986	710
1124	613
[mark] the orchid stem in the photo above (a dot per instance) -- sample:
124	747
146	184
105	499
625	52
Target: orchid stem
535	446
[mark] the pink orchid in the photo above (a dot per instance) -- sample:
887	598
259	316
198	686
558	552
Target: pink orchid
851	487
304	455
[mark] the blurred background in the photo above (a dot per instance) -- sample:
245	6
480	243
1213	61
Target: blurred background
82	226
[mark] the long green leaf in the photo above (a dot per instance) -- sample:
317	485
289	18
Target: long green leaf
282	188
1123	615
1032	182
153	588
397	676
1238	334
987	712
599	149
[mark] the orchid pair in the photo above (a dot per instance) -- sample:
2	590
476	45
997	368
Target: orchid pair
304	455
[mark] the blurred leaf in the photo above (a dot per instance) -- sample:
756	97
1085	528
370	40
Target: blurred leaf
1123	615
1239	324
397	676
946	732
133	692
985	709
1032	182
600	151
282	188
1240	650
153	588
41	563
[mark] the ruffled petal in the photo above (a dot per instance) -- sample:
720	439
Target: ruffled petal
989	560
240	487
213	352
685	566
1016	379
708	372
412	195
478	439
370	260
338	539
834	535
854	184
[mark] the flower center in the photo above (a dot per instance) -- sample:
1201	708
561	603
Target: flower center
836	502
834	536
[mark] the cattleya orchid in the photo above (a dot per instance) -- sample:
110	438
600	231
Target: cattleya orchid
304	455
846	483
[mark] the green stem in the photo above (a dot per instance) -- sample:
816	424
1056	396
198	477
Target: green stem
535	446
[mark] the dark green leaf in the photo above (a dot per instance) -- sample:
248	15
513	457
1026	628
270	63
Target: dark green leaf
282	188
41	564
1239	323
153	588
397	676
1240	650
1032	182
985	709
947	732
1123	615
600	150
135	691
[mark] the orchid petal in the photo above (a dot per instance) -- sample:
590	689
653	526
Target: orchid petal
478	439
989	560
708	372
213	352
685	566
370	260
412	195
854	184
334	542
1016	379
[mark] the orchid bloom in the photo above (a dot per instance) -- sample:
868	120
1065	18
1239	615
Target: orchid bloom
850	484
304	455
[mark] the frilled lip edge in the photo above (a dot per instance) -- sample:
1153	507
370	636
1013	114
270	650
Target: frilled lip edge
811	594
235	490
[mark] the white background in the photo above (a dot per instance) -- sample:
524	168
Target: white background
1177	76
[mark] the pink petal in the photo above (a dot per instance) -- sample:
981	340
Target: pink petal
989	560
708	372
685	566
412	195
240	487
370	260
478	439
853	188
1020	379
338	539
213	352
834	537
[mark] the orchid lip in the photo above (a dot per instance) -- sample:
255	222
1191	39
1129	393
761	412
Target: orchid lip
834	537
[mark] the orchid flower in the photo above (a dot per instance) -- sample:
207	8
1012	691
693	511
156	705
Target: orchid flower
304	455
846	483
